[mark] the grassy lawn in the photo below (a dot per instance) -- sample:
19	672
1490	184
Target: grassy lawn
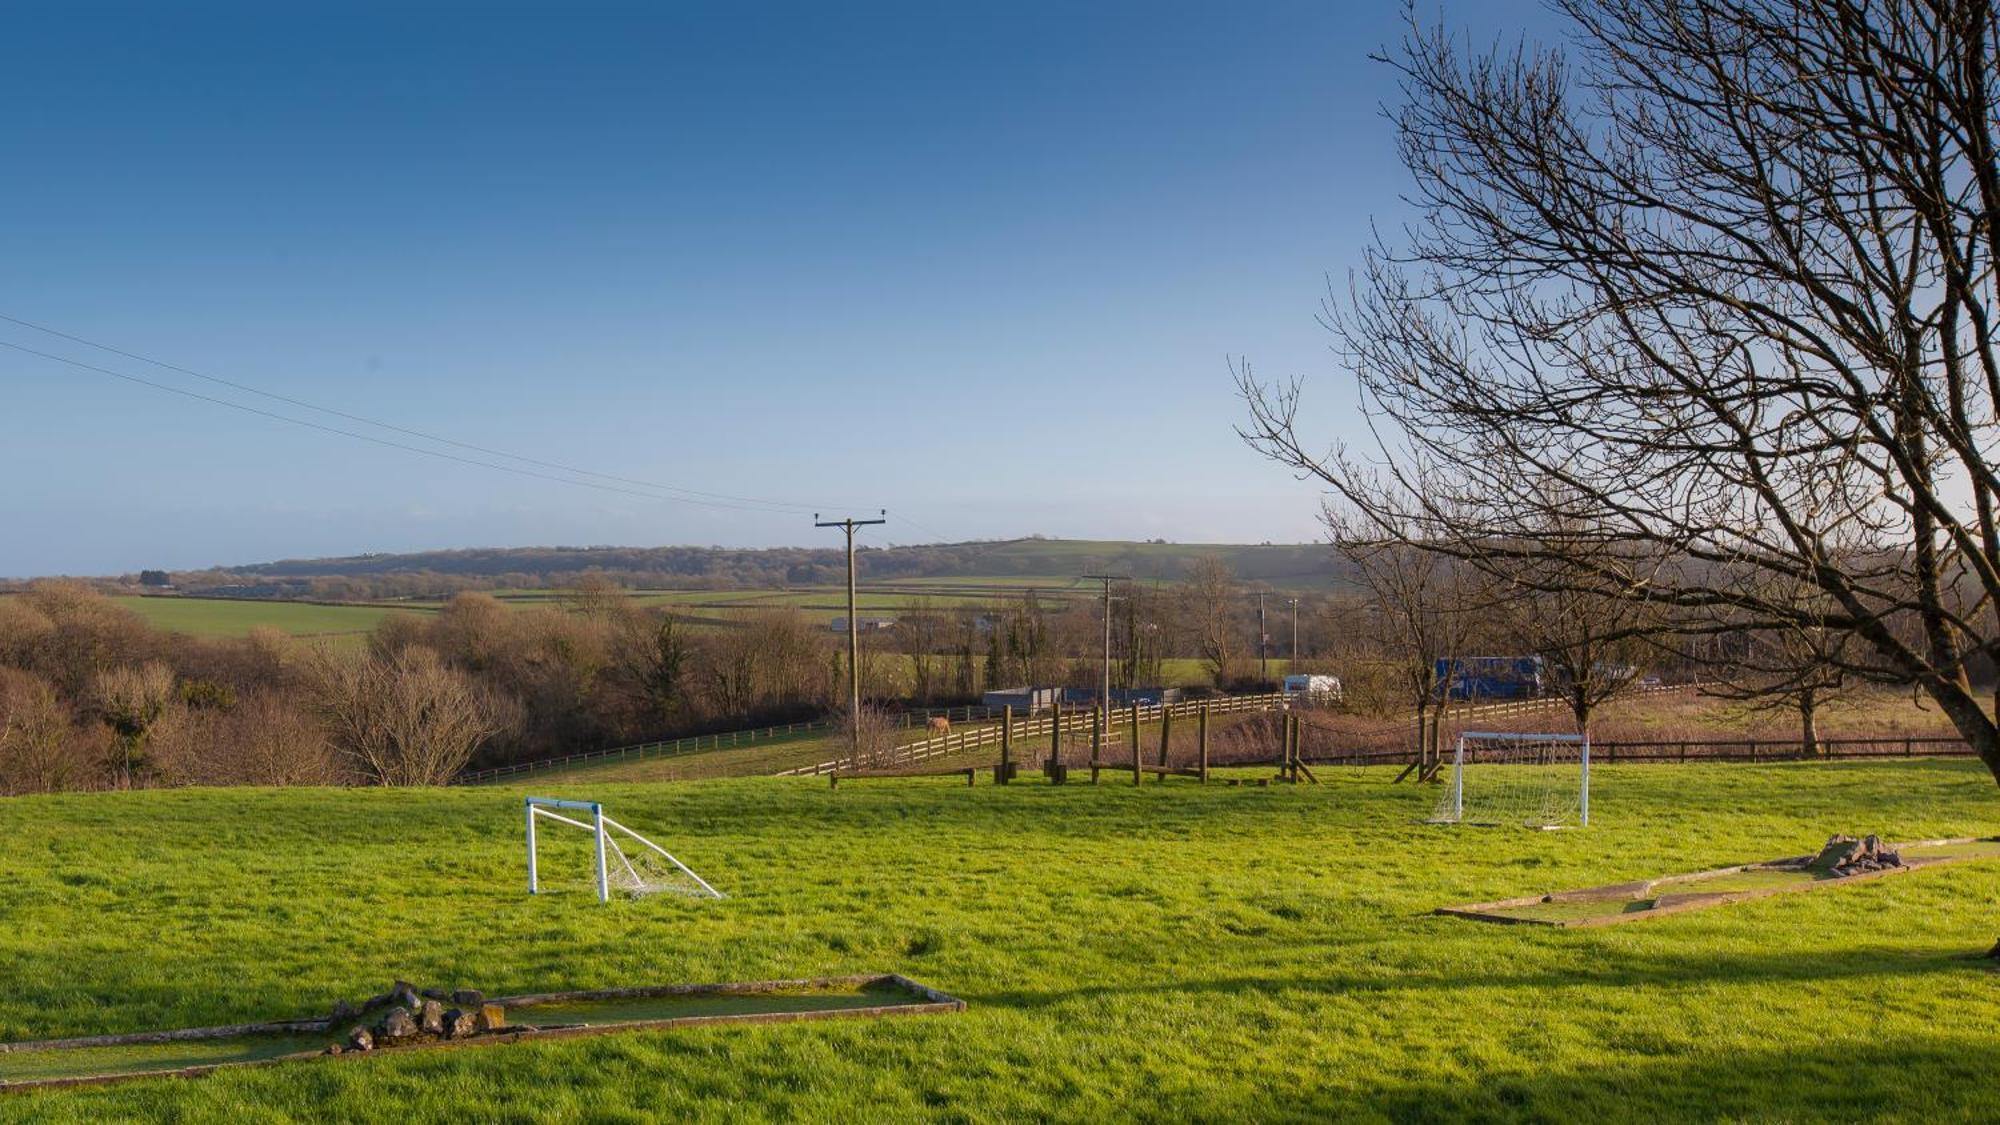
1169	952
217	617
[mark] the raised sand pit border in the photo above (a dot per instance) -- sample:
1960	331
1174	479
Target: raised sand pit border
1672	894
292	1040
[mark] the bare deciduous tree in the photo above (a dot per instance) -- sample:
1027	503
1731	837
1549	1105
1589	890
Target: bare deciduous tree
1800	667
41	751
405	718
1725	270
1212	608
878	745
132	701
1420	616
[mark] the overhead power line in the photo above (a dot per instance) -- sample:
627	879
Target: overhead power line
689	495
440	454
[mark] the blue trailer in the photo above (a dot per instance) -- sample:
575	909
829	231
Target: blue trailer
1491	677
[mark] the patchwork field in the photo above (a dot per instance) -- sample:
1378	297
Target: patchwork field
1169	952
225	617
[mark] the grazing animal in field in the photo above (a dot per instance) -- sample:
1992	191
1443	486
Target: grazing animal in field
940	725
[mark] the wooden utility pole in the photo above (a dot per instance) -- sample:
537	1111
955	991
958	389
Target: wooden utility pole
1104	686
853	632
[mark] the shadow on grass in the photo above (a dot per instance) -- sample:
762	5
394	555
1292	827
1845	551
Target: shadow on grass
1609	969
1930	1079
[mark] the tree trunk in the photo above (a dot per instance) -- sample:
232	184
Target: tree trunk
1809	724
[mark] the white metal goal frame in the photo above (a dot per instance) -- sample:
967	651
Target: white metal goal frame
601	828
1456	814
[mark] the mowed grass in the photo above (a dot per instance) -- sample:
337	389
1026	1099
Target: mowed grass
220	617
1167	952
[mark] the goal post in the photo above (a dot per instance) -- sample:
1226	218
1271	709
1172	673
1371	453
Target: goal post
1532	779
643	869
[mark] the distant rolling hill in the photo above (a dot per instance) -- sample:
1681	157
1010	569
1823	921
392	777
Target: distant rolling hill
1286	566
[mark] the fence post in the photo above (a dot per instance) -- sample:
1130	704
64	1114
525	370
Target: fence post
1096	741
1054	768
1006	747
1135	744
1201	720
1166	735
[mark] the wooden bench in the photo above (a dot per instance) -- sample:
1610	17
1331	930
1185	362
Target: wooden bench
969	773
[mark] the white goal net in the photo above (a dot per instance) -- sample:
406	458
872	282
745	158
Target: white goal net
1534	780
616	857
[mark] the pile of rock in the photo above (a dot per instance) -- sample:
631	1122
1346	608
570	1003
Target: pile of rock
1844	855
407	1015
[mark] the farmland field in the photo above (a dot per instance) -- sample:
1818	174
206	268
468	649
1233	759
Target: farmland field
225	617
235	617
1166	952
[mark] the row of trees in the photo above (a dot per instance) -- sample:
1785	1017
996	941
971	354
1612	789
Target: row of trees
93	697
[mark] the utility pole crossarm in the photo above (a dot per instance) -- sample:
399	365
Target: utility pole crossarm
853	633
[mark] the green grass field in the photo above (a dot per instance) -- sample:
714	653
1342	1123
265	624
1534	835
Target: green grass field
1166	953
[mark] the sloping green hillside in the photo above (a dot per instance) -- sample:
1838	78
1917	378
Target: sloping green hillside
1165	953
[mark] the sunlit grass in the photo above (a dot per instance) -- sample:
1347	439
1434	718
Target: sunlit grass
1168	952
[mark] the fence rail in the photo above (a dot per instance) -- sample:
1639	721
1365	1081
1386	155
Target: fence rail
1713	750
1028	726
1041	725
1078	720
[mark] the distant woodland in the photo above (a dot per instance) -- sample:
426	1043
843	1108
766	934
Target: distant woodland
441	573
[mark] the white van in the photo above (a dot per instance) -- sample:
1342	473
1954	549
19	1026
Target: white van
1317	688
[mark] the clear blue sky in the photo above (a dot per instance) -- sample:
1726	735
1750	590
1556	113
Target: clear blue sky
980	266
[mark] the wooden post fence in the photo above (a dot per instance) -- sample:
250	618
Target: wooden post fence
1202	737
1054	767
1005	772
1096	741
1135	744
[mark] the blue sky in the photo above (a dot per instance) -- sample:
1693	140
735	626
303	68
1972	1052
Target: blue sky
982	266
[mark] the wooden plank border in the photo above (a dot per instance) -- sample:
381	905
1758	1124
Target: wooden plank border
925	1001
1633	891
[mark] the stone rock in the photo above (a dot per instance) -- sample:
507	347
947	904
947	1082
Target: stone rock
396	1027
375	1002
404	995
361	1039
491	1017
342	1012
468	998
460	1024
1844	856
431	1018
434	994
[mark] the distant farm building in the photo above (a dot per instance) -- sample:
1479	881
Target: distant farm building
867	624
1023	699
1124	697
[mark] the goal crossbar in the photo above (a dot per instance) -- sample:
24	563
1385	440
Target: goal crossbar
601	828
